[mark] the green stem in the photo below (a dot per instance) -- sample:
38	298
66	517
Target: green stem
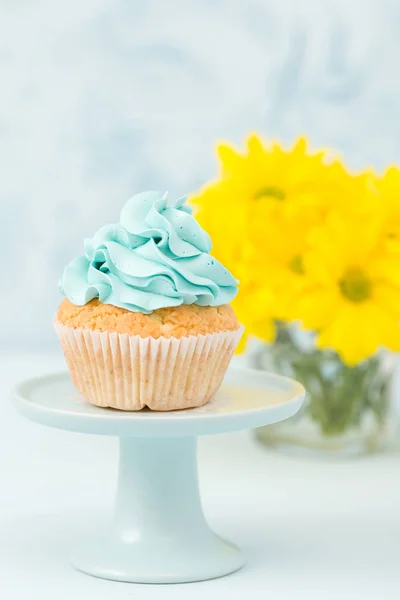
339	396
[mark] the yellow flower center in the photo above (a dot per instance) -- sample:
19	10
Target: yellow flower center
270	191
296	265
355	285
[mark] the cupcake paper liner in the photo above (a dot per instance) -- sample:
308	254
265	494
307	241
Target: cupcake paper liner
130	372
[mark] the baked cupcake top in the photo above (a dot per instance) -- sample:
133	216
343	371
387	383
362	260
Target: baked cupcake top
157	256
176	321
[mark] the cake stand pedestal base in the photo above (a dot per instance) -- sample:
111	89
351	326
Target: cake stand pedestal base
159	533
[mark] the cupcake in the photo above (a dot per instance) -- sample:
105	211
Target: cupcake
146	319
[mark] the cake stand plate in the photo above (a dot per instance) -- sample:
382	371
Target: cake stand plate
159	533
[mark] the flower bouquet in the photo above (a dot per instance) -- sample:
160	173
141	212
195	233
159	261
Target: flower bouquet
317	252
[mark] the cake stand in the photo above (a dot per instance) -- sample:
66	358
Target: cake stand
159	533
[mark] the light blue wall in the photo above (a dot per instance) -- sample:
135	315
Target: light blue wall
101	99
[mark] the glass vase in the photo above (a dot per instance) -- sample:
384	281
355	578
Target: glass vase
348	410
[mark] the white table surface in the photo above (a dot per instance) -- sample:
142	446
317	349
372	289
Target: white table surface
310	529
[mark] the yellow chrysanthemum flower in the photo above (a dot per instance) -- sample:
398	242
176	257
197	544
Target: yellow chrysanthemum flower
262	194
354	197
350	300
308	241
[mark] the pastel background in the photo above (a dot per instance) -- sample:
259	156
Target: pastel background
101	99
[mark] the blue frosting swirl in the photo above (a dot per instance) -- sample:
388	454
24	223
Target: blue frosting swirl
156	256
